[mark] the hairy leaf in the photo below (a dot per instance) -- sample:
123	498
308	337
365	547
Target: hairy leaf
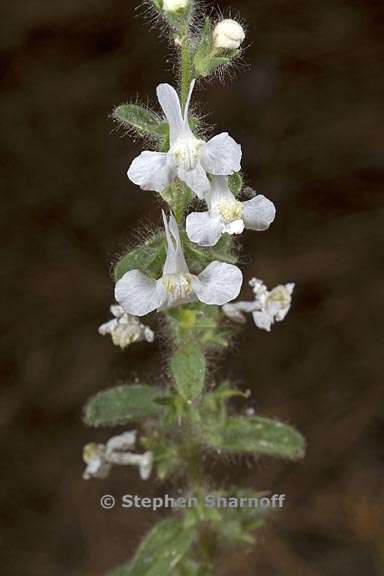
188	369
258	435
161	551
149	258
120	405
143	121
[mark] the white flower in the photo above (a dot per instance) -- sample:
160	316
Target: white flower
267	308
226	214
189	158
125	329
100	457
217	284
175	6
228	35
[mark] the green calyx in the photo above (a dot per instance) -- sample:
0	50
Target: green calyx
207	59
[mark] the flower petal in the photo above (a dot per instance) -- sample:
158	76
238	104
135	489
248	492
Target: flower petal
175	262
234	227
196	179
170	103
151	171
222	155
203	229
108	327
263	320
218	284
137	293
258	213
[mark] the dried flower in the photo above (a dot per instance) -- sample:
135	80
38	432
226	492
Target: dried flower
125	329
267	308
100	457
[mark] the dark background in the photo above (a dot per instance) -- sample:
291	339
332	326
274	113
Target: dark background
306	107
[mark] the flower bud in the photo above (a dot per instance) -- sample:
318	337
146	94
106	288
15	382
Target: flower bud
175	6
228	35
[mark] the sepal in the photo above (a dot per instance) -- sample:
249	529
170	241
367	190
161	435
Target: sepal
207	58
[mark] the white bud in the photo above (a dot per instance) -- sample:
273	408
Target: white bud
228	35
175	6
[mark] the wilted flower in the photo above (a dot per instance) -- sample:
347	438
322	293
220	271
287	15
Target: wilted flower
94	457
100	457
228	35
175	6
125	329
267	308
228	215
139	294
189	158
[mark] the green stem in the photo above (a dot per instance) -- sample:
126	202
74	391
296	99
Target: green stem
186	68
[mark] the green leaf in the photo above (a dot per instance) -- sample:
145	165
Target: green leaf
188	369
158	4
198	258
236	183
178	196
256	435
135	117
149	258
161	551
120	405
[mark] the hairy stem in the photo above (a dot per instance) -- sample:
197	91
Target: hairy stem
185	67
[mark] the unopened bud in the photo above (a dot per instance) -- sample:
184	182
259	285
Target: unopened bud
228	35
175	6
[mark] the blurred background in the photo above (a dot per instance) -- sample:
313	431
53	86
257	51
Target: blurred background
306	105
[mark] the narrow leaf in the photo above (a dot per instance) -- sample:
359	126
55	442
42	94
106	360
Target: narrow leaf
258	436
120	405
188	370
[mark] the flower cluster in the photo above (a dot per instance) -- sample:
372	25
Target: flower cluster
204	167
100	458
139	294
